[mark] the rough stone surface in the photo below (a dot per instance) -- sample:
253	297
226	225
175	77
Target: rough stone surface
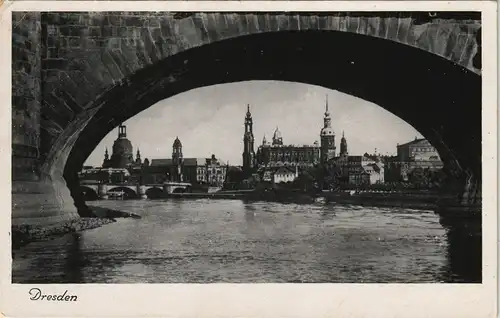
26	95
99	50
79	65
24	234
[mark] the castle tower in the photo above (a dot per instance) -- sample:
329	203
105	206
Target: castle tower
327	136
248	144
277	137
264	141
177	161
343	146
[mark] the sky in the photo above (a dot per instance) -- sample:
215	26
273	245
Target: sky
210	120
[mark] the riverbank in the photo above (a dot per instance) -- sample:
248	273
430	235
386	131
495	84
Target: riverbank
403	200
25	234
418	200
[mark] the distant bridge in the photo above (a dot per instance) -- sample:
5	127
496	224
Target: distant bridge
102	190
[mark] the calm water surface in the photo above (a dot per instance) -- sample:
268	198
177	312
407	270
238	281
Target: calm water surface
205	241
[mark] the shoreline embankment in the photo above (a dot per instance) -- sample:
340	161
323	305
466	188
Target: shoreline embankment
24	234
412	200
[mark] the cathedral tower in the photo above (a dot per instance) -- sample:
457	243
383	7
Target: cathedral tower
177	161
327	136
248	144
343	146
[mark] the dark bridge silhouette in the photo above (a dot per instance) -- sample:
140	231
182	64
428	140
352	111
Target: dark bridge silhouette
89	76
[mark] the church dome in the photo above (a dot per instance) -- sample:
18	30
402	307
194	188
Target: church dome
177	143
122	146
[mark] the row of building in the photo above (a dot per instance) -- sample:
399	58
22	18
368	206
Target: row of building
273	161
122	167
282	162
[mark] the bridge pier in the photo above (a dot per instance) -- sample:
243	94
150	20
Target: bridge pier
464	235
102	191
141	192
167	189
462	220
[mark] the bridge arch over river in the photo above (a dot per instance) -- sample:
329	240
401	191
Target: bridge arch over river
99	69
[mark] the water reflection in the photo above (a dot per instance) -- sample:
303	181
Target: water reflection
204	241
75	260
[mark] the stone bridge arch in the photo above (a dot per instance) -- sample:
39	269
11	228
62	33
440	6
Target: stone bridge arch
130	191
154	192
98	69
179	189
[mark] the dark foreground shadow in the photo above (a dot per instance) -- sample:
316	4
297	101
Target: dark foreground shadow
464	252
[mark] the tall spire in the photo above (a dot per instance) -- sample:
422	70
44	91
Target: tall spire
327	135
343	145
327	120
327	113
106	155
249	114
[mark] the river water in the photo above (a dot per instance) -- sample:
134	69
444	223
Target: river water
210	241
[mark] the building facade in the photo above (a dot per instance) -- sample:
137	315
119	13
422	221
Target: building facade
417	150
203	171
104	175
284	174
356	170
415	154
277	154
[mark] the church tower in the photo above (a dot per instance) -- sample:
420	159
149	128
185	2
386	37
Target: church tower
248	144
343	146
177	161
138	157
327	136
106	163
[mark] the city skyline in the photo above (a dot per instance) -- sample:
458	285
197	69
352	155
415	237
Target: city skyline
212	121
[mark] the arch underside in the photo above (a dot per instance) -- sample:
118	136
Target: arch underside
440	99
154	192
89	193
179	190
127	190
